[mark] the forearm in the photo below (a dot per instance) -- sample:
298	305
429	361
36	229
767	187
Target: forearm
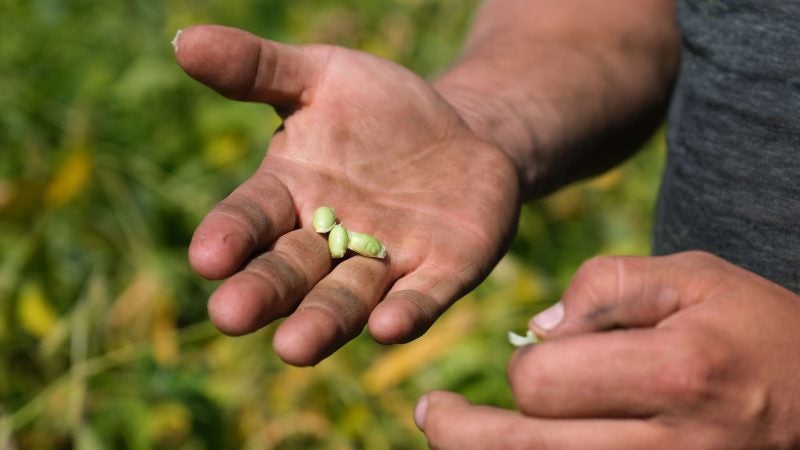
567	88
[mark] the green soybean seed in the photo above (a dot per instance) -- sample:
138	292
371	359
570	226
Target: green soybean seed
520	341
324	219
366	245
337	241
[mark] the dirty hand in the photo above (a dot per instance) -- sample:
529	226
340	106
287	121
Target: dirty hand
682	351
377	143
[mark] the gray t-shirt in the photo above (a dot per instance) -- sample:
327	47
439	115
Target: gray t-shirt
732	179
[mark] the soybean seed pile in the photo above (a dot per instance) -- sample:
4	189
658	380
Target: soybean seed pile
340	239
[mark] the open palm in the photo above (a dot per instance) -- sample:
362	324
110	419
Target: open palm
375	142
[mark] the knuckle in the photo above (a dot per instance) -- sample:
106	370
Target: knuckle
586	281
700	258
245	214
597	282
343	305
706	272
275	270
595	267
603	269
303	244
690	377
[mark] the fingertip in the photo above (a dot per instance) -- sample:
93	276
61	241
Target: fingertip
215	257
401	317
392	323
518	372
436	404
185	43
306	337
236	307
518	357
221	57
225	317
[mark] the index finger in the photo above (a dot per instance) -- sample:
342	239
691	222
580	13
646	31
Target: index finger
333	312
624	373
248	220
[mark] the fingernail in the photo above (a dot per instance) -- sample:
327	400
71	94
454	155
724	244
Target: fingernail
175	40
420	412
549	318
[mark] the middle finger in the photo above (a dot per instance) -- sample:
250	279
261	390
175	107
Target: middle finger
334	311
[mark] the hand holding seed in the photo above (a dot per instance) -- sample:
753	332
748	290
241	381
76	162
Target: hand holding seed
641	353
341	239
401	165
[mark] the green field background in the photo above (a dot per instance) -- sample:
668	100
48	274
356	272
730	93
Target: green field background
109	157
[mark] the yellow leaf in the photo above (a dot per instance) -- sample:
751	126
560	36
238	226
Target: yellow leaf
224	150
70	178
565	203
304	421
287	387
35	314
354	419
169	424
379	47
130	318
7	191
606	181
400	362
164	335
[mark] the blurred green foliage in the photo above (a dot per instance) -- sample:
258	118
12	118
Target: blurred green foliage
110	155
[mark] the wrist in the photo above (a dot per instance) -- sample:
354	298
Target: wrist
494	120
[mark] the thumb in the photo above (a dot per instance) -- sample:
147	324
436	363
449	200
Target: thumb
449	421
242	66
610	292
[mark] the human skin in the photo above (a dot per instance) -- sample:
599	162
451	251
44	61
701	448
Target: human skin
567	88
681	351
686	351
545	93
379	145
435	174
